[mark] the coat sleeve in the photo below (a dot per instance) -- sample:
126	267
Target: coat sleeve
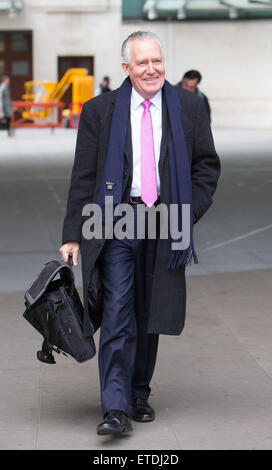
6	102
205	168
83	173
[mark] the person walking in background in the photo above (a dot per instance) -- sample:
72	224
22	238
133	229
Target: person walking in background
104	86
144	144
5	103
190	82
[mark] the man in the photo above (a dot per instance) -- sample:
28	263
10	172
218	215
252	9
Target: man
104	86
190	82
146	144
5	102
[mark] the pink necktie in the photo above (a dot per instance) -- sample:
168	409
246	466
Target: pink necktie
148	167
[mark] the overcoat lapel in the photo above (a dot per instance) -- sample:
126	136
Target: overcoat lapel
128	151
128	166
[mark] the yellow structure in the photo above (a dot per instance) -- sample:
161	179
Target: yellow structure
48	92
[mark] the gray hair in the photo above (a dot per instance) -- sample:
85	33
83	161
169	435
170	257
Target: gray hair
125	49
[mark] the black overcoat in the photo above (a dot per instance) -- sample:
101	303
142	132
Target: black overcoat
168	300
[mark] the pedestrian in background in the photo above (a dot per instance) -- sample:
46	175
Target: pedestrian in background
5	103
104	86
190	82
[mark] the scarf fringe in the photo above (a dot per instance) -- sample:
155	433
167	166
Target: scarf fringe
182	258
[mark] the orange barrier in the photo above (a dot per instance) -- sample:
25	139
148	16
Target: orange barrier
53	111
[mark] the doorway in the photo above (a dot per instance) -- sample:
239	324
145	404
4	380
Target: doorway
16	60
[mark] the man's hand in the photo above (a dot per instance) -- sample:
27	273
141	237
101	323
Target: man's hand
70	248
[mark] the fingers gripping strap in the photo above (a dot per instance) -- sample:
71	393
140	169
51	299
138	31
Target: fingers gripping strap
39	284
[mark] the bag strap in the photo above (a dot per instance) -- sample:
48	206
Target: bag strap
40	283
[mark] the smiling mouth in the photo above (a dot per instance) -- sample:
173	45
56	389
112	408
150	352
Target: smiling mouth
151	79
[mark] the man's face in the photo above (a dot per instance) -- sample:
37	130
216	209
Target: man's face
190	84
146	68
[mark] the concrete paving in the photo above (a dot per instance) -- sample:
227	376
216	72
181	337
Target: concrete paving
220	395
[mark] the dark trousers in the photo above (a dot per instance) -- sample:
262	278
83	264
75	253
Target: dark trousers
5	125
127	353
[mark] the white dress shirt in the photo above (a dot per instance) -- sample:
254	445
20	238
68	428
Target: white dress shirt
136	111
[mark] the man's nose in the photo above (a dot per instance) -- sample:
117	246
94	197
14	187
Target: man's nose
150	68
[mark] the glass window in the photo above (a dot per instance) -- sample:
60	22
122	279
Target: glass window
2	42
20	68
19	42
2	67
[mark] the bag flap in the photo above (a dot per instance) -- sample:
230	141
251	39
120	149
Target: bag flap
40	283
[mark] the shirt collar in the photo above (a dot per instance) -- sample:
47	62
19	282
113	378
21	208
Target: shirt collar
137	99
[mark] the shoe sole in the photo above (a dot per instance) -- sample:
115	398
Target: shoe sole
106	431
142	420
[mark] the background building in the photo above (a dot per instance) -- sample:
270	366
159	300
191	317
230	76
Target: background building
46	37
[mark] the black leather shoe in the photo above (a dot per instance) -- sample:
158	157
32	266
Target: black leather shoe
115	422
142	411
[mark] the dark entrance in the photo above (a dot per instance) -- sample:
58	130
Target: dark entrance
16	59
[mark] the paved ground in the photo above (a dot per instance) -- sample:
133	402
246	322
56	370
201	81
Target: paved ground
220	397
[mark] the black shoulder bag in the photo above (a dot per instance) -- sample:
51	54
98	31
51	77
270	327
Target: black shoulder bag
54	309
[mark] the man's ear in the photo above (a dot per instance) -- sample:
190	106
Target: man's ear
125	67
